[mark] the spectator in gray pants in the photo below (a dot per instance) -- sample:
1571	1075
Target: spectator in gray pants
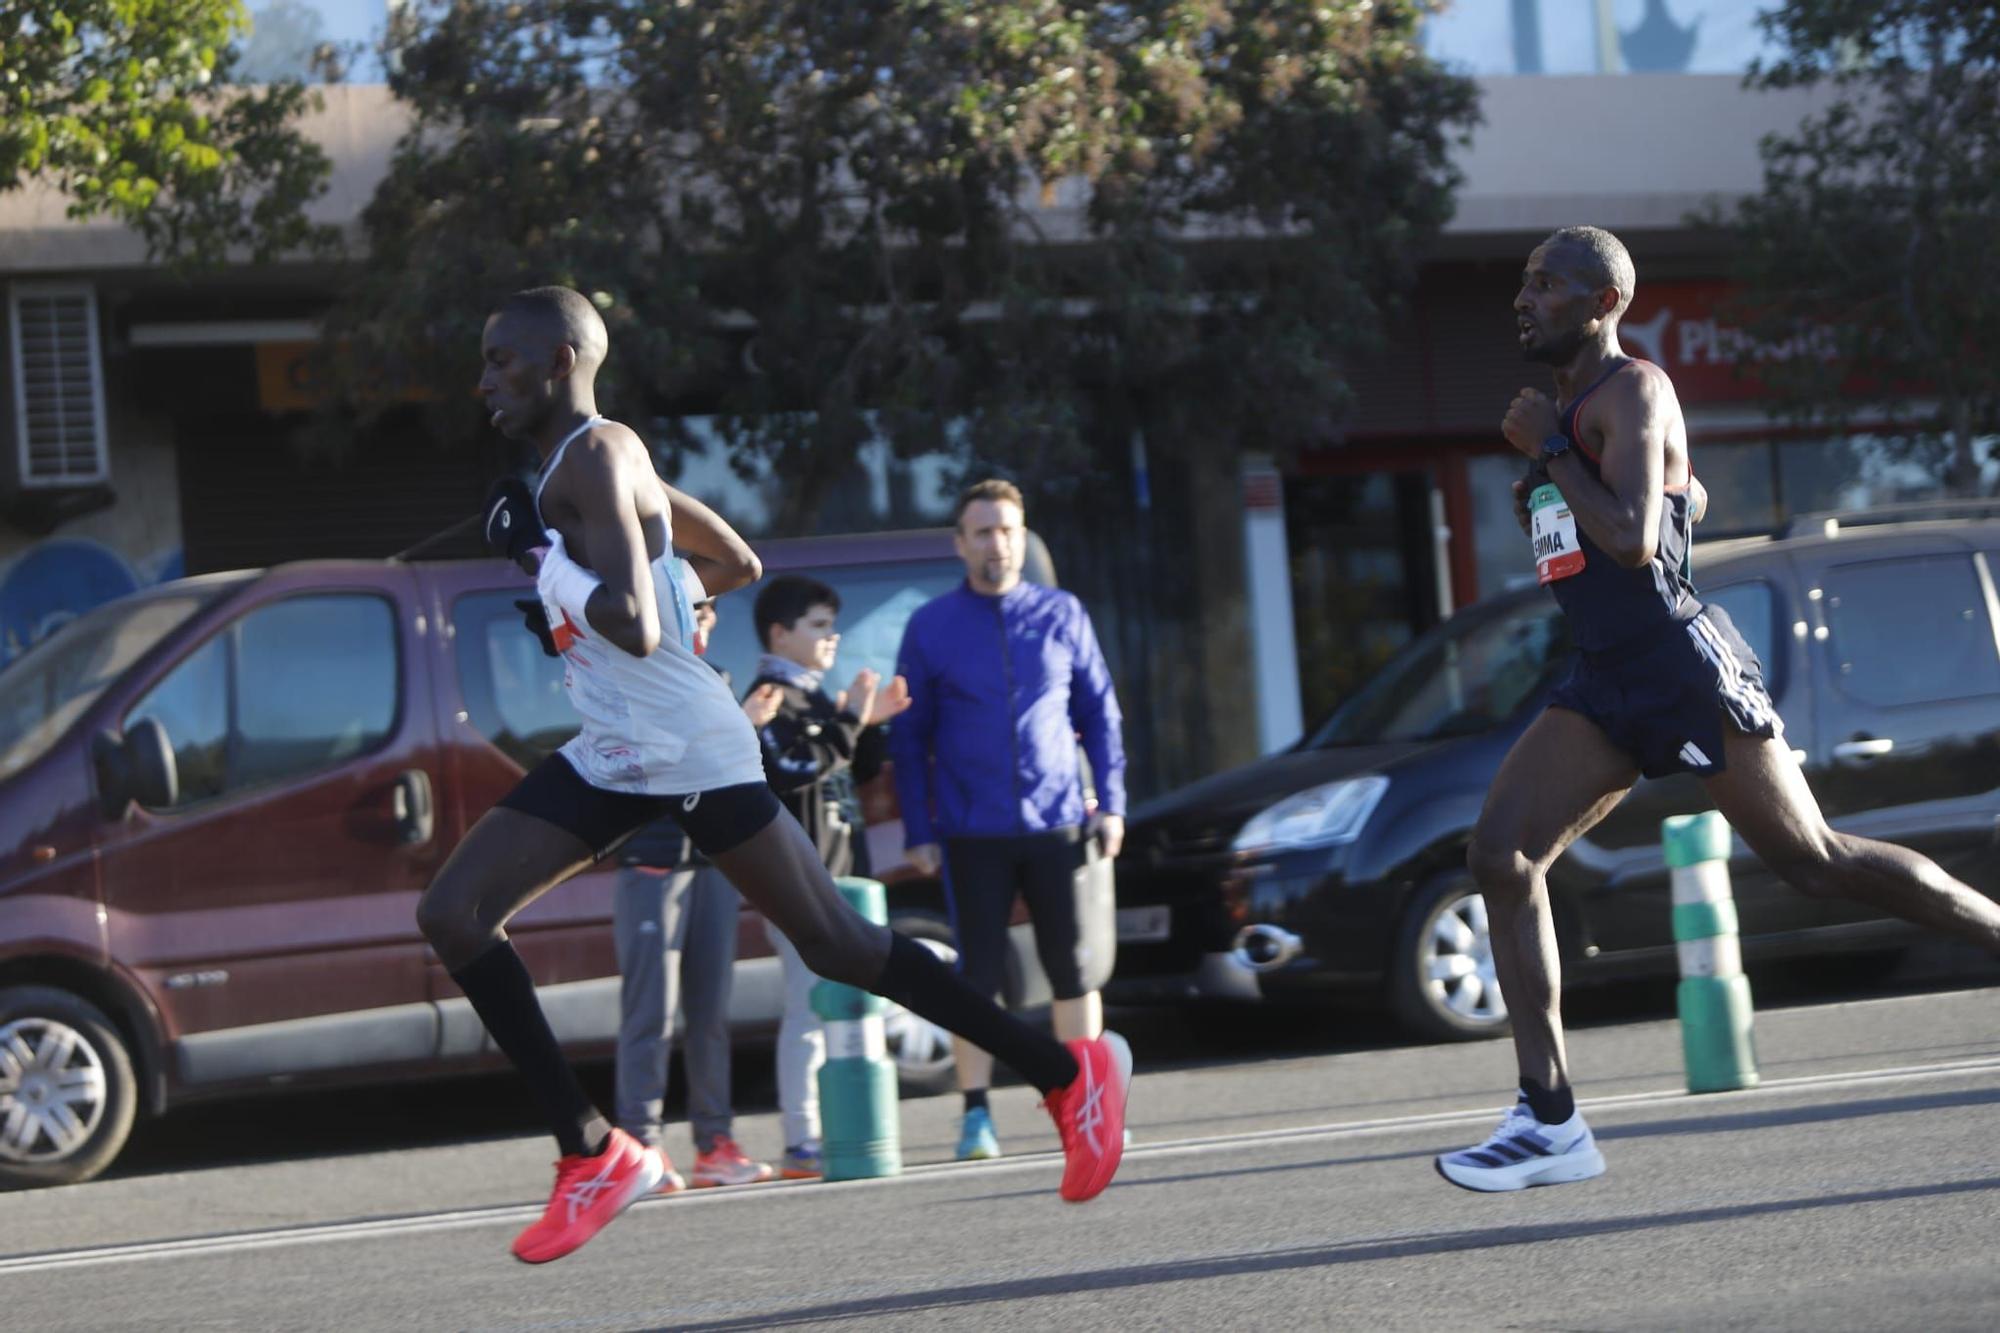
674	920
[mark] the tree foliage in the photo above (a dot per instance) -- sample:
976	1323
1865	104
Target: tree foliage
1870	256
123	105
1019	227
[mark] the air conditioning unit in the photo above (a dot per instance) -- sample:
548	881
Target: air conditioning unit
59	427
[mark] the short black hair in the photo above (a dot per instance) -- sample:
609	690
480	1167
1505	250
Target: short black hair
1607	263
567	316
996	489
786	599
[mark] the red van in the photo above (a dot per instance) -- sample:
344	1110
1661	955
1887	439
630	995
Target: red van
220	798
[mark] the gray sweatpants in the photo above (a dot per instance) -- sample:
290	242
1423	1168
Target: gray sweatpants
676	939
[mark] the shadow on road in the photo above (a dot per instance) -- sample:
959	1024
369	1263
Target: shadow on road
323	1122
973	1295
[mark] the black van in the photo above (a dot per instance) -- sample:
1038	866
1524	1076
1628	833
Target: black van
1339	865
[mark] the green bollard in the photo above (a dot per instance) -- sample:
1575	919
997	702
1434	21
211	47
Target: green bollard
860	1136
1714	997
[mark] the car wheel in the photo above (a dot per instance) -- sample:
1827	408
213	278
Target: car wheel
67	1095
921	1050
1441	982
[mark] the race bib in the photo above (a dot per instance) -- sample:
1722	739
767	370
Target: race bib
1557	555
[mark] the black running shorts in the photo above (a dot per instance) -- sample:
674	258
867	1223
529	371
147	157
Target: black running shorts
1666	701
983	877
716	821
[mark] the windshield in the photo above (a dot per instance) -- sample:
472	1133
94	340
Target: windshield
53	683
875	604
1467	676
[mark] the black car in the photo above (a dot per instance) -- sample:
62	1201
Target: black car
1338	866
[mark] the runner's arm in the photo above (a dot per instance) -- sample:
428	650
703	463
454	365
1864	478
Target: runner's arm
622	607
1621	513
720	556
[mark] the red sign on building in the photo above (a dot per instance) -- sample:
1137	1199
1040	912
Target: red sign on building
1680	327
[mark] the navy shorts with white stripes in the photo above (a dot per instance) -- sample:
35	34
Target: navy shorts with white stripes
1665	702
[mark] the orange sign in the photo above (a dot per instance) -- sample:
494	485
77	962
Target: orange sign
291	377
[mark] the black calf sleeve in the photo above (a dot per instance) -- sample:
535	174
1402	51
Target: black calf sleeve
503	995
914	978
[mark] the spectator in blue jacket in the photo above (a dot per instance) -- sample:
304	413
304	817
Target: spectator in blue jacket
1004	678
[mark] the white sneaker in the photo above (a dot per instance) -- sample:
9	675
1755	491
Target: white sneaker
1524	1152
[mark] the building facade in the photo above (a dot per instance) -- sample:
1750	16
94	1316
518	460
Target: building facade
152	423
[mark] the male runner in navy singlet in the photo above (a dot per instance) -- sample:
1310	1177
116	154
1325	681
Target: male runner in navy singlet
1662	684
663	736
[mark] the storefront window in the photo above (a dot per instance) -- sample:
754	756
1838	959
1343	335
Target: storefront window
1363	576
1599	36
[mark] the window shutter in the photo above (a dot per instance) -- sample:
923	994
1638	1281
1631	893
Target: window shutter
58	385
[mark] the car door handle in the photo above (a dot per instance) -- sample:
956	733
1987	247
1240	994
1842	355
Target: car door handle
1863	747
411	802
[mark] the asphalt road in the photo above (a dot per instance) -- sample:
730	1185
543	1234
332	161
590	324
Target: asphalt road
1277	1181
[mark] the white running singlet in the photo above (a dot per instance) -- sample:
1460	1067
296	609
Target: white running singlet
660	725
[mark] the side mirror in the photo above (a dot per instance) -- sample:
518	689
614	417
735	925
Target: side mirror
137	767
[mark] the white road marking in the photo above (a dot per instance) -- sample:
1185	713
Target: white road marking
520	1214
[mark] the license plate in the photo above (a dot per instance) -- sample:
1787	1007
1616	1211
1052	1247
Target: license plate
1141	924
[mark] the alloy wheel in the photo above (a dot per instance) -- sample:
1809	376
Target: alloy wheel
1455	959
52	1090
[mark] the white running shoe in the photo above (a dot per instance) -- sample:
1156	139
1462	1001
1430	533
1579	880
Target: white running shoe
1524	1152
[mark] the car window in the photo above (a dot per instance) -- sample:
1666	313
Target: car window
290	689
44	691
1752	607
192	703
316	685
1910	631
1469	676
876	601
513	691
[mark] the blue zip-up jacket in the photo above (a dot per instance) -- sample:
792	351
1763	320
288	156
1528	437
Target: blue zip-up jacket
1001	688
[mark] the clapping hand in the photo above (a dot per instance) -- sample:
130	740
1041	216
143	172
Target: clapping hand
890	701
761	704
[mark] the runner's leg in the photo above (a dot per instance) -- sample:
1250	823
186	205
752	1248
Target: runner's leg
1764	796
1559	780
779	871
506	861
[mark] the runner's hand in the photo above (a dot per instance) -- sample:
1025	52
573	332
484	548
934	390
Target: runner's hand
1530	419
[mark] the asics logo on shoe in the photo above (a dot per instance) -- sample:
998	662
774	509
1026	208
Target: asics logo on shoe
584	1193
692	801
1090	1115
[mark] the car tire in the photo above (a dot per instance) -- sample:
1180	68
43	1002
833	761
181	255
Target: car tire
920	1049
1441	982
63	1062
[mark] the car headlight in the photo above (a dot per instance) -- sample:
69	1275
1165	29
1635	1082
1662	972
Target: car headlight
1323	816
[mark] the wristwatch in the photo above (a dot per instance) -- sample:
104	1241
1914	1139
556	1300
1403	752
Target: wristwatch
1554	447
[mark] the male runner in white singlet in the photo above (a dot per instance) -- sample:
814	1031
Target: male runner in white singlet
662	736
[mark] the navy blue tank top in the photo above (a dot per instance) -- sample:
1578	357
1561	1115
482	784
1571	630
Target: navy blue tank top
1609	606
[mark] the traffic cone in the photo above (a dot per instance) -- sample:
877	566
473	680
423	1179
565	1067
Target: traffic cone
1714	997
860	1136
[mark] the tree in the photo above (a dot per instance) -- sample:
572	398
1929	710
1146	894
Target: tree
1870	269
1023	227
124	105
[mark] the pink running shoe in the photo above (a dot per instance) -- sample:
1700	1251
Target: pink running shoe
670	1179
1090	1115
589	1192
726	1164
